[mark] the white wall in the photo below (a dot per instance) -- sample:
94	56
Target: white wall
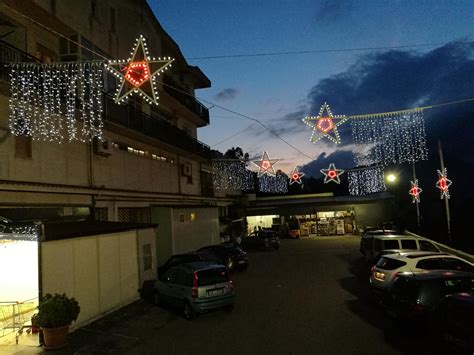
101	272
190	235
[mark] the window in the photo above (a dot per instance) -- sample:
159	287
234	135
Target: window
391	244
390	264
429	264
377	245
212	276
101	214
456	264
23	147
147	257
408	244
44	54
427	246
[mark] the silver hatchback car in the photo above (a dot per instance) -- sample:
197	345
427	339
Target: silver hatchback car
196	287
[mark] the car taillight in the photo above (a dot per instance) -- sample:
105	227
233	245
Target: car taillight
394	276
229	280
194	291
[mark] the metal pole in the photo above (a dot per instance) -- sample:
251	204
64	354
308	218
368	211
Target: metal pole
446	201
416	202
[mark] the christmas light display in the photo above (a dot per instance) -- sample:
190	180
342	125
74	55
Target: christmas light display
389	138
415	191
273	184
231	175
325	125
443	183
366	181
332	174
295	176
138	73
265	165
54	102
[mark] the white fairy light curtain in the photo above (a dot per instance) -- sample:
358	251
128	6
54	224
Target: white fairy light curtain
56	102
232	175
273	184
389	138
366	181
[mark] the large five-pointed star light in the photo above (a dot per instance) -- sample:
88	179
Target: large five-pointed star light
295	176
443	183
138	73
325	125
415	191
265	165
332	174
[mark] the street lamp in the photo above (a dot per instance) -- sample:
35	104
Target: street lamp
391	178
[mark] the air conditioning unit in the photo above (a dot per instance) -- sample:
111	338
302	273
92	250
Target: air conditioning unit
103	147
186	169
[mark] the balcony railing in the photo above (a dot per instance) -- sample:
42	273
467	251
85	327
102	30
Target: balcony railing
175	90
125	115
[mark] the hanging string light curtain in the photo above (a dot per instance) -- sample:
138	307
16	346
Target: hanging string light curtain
366	181
57	102
389	138
232	175
273	184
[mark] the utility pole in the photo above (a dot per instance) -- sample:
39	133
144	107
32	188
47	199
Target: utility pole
446	200
416	202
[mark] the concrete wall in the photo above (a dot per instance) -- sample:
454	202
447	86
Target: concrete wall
101	272
190	235
164	234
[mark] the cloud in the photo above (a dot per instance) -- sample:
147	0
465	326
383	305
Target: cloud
227	95
330	11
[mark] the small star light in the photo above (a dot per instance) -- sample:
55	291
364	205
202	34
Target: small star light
415	191
138	73
295	176
332	174
325	125
265	165
443	183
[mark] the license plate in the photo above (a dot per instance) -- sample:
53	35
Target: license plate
216	292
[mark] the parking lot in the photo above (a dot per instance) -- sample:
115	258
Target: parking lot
309	297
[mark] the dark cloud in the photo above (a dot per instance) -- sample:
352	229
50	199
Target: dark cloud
330	11
227	95
341	159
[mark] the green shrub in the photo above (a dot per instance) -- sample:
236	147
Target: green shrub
57	311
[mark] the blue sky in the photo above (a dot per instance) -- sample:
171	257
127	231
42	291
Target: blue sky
281	90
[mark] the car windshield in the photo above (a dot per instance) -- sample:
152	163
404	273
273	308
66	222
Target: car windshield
212	276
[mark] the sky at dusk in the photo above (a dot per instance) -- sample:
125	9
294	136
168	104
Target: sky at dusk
281	90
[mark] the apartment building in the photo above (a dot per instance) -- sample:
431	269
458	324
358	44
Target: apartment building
150	168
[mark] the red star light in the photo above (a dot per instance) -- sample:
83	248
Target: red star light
443	183
332	174
265	165
138	73
324	125
295	176
415	191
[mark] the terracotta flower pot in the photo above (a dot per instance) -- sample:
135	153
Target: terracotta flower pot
55	338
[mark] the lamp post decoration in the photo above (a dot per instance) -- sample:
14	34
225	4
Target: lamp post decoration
443	183
332	174
295	176
415	191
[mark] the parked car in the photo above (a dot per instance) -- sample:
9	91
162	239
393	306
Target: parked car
229	255
374	245
196	287
389	266
370	232
263	239
416	296
179	259
454	321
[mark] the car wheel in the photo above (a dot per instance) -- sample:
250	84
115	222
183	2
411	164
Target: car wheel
188	311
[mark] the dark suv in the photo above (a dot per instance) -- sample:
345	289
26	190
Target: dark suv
179	259
264	239
229	255
416	296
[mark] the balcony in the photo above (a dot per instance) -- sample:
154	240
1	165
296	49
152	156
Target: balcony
176	91
125	115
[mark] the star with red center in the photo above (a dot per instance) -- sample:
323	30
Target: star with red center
265	165
295	176
325	125
443	183
332	174
415	191
137	74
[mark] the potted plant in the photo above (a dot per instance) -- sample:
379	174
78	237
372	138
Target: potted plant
56	313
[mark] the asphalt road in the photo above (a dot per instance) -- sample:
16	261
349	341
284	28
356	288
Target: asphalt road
309	297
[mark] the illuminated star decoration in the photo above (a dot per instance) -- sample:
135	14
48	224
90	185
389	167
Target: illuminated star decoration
325	125
415	191
332	174
138	73
265	165
295	176
443	183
